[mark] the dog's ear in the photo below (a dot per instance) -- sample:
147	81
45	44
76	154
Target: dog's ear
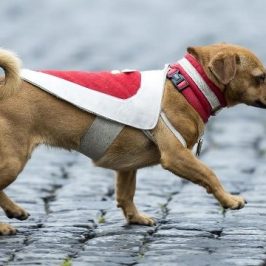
223	66
193	51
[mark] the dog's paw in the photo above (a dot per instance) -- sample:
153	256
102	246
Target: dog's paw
233	202
17	213
6	229
140	218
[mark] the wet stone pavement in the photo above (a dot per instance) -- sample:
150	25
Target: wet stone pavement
74	217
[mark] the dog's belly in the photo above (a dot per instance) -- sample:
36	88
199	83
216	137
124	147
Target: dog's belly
131	150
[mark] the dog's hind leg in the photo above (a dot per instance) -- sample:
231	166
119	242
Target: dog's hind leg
11	209
9	169
125	191
12	162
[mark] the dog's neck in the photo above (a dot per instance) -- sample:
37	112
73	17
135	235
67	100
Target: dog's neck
190	79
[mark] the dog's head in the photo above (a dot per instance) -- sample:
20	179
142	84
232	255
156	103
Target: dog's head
236	70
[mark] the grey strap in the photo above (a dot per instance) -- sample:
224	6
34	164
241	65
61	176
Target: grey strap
99	136
149	135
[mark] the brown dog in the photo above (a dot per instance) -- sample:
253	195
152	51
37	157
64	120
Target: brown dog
237	72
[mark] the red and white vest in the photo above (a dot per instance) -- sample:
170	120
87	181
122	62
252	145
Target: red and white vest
131	98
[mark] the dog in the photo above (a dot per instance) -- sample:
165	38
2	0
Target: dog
234	72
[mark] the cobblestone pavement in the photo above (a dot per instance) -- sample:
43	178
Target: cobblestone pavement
74	219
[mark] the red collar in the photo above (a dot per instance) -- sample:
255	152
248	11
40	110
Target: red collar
189	78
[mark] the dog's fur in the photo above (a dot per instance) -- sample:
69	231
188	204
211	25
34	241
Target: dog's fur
26	120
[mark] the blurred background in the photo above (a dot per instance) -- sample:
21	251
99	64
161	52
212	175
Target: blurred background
104	34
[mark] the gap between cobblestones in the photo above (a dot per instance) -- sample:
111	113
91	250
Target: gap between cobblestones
55	188
25	243
91	228
148	238
50	197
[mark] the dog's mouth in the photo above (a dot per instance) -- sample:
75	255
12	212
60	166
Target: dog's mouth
259	104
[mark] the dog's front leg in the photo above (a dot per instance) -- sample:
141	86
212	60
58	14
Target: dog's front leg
11	209
125	191
181	161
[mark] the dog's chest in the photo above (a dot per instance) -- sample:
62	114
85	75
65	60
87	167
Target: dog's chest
131	98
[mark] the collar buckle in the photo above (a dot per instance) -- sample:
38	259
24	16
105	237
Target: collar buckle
177	79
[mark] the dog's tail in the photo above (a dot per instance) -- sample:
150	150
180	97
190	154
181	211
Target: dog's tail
11	64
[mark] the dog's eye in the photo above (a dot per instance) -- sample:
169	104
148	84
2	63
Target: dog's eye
260	79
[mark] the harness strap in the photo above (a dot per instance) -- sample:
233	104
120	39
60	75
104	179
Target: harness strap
149	135
99	136
197	147
173	130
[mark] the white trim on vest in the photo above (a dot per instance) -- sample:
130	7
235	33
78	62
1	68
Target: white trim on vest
140	111
200	82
